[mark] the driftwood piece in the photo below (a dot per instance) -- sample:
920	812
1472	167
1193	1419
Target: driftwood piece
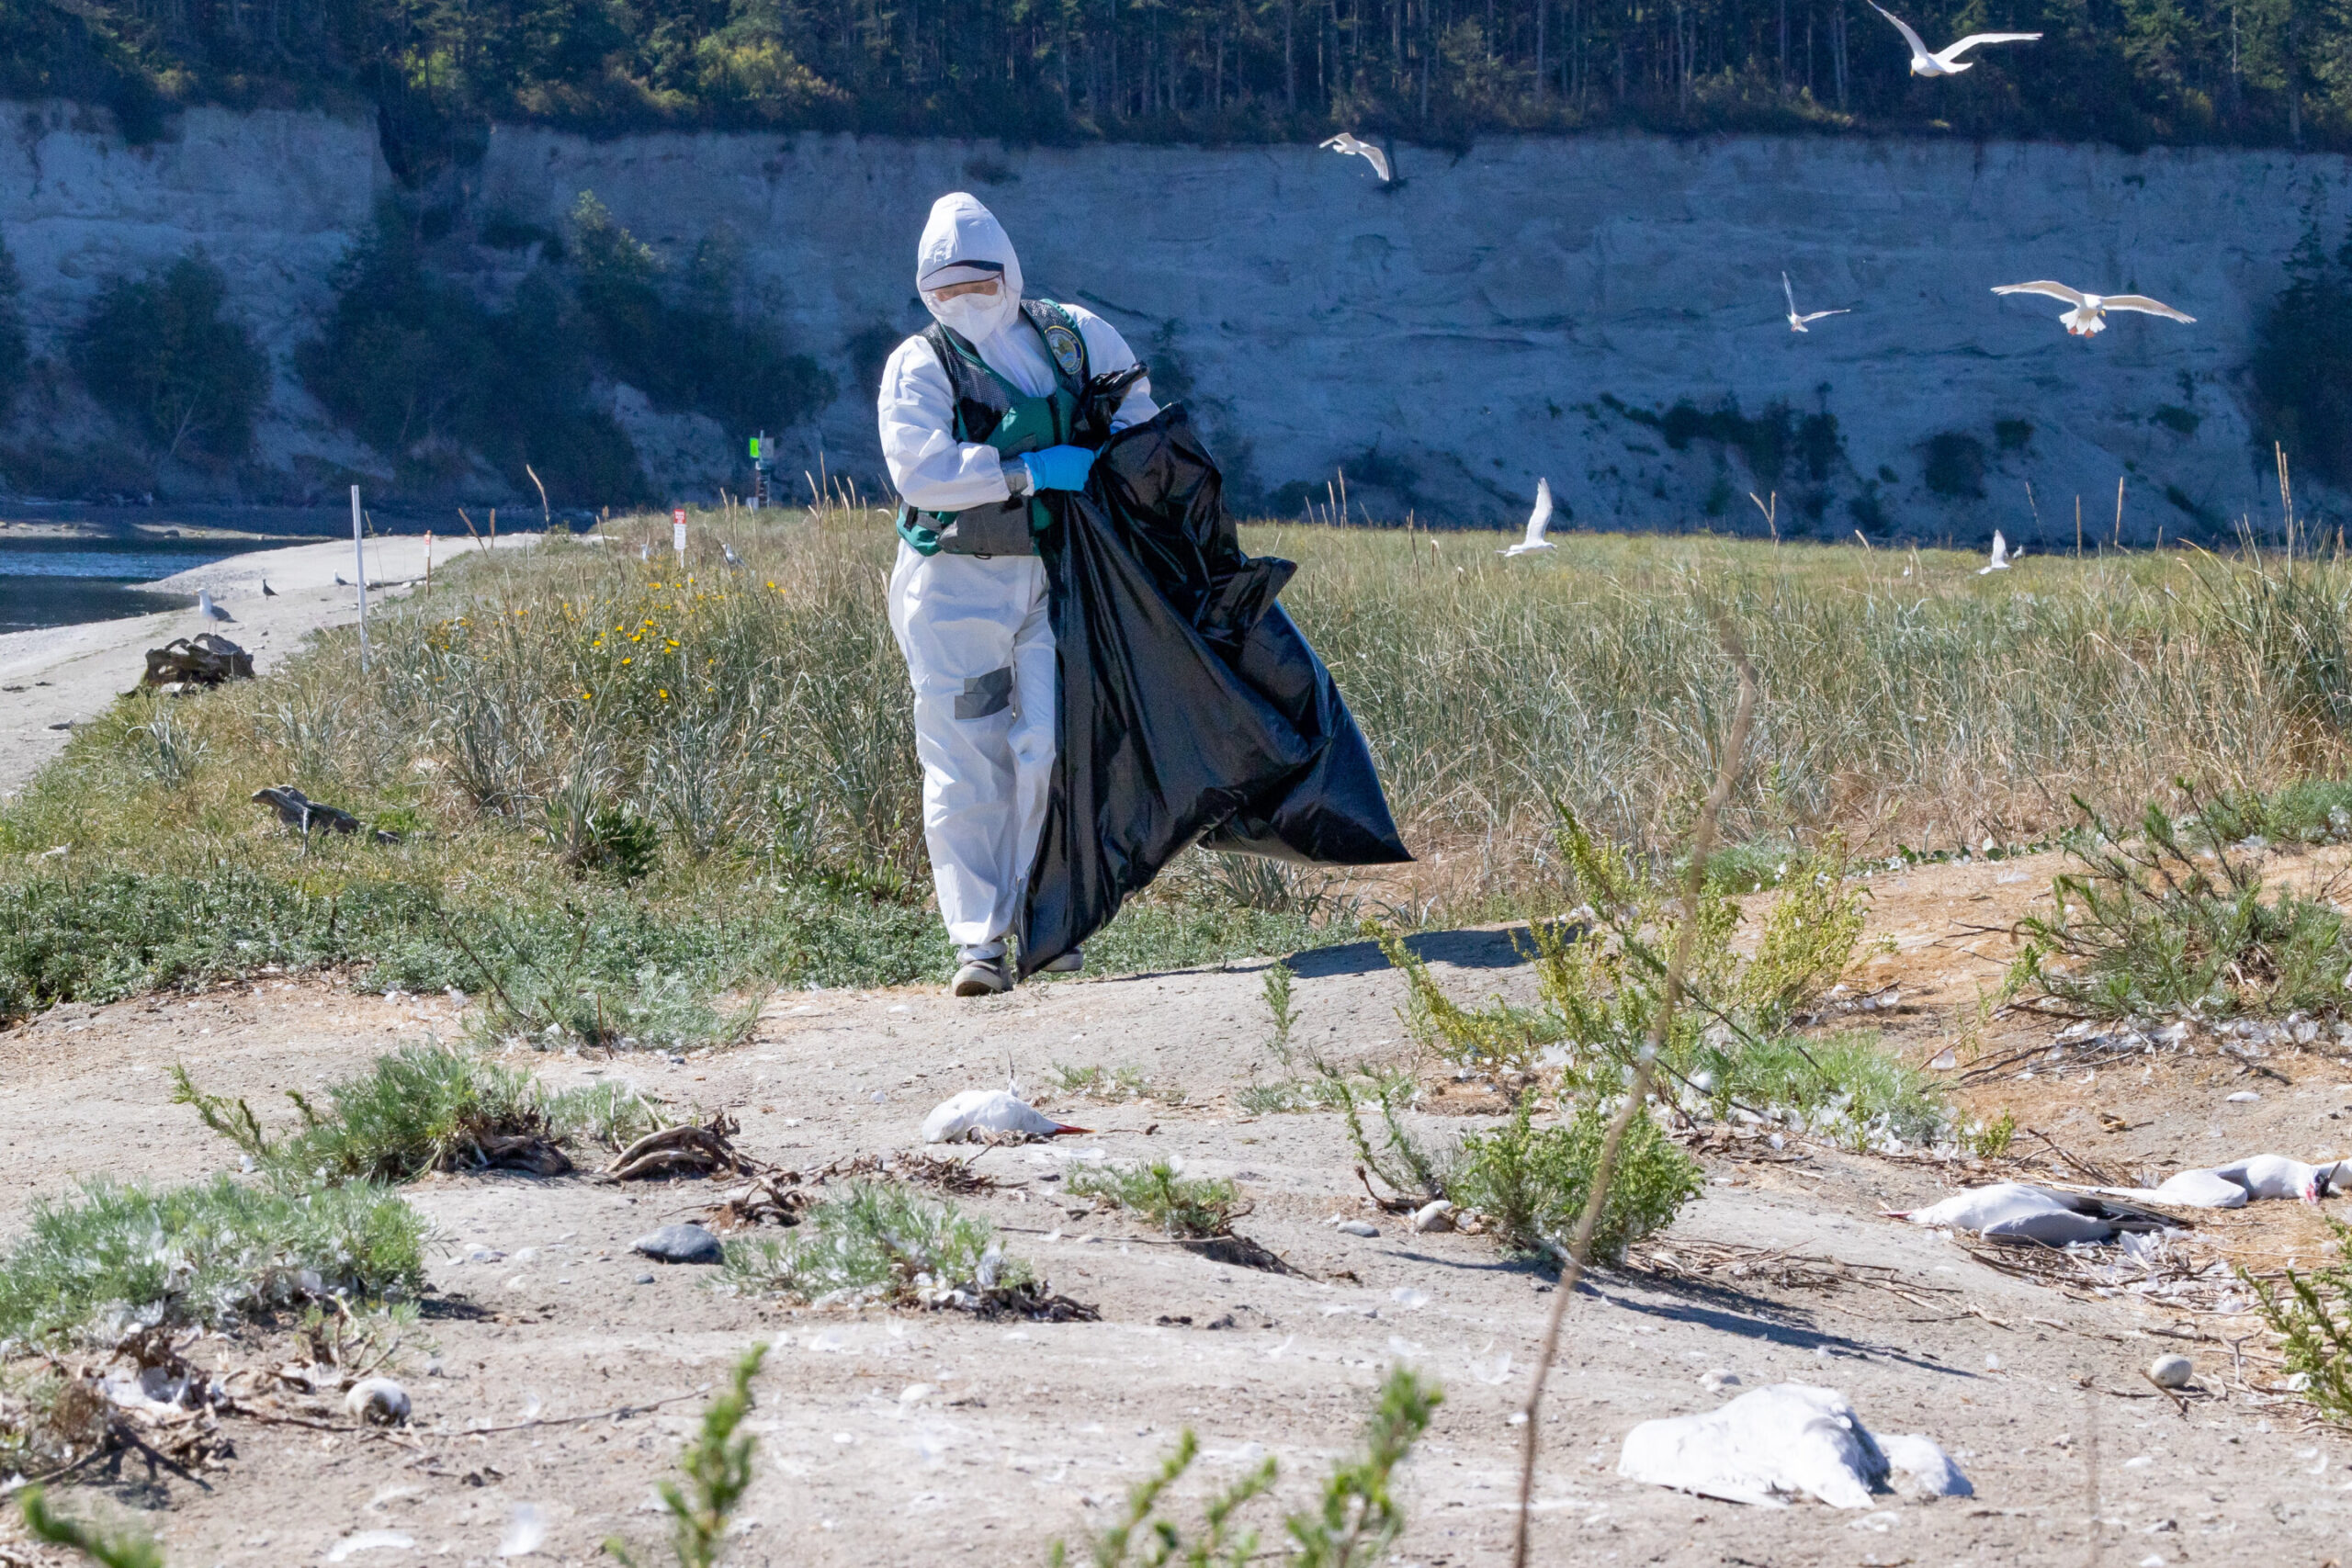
205	659
684	1150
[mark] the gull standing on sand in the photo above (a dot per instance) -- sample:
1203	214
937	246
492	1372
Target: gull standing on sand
1355	147
1797	323
2001	556
1945	62
209	610
2088	316
1537	521
267	591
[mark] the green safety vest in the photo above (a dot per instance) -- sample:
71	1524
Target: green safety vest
991	410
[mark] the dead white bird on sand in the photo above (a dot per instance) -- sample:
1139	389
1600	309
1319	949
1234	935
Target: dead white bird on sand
2015	1212
2234	1185
1945	62
980	1115
2001	556
1356	147
1797	320
209	610
1538	522
2088	316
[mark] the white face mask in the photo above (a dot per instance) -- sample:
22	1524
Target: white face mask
975	317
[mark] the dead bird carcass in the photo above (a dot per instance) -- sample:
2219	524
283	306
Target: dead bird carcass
185	663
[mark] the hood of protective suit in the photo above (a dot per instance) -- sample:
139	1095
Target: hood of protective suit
962	231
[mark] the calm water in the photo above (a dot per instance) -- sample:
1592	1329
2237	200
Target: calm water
56	582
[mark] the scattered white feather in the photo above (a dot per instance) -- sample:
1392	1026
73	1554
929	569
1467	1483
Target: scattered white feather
525	1532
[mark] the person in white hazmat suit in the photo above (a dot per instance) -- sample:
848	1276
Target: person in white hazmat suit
974	415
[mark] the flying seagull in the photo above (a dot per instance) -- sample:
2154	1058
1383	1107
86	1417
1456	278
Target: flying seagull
1355	147
2001	556
1537	521
209	610
1796	321
2088	316
267	591
1948	61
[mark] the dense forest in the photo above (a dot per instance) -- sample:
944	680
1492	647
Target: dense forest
2129	71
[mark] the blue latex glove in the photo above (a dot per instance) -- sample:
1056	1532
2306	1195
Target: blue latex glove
1058	467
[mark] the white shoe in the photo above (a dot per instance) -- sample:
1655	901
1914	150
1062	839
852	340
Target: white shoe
1070	963
982	977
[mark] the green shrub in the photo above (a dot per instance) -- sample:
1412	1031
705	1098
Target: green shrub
424	1108
115	1255
109	1549
1532	1182
2147	927
878	1242
1183	1206
425	374
687	347
2312	1314
1846	1089
161	355
1398	1159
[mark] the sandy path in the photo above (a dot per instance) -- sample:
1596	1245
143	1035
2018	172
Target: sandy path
906	1438
57	677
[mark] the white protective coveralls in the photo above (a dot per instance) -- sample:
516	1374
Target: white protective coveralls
969	625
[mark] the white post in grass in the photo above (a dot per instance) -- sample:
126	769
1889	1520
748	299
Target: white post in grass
359	565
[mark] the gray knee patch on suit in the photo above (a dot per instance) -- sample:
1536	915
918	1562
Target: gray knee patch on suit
984	696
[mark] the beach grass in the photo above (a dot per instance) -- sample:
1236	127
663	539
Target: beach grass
631	796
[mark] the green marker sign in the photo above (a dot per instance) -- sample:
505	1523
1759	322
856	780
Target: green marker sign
756	446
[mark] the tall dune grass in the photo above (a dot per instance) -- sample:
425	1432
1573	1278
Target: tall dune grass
619	778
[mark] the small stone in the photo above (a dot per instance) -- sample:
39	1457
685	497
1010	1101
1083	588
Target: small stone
380	1402
645	1279
680	1243
2244	1097
2171	1371
1436	1216
1357	1227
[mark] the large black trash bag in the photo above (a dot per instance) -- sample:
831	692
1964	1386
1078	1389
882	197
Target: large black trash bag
1189	702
